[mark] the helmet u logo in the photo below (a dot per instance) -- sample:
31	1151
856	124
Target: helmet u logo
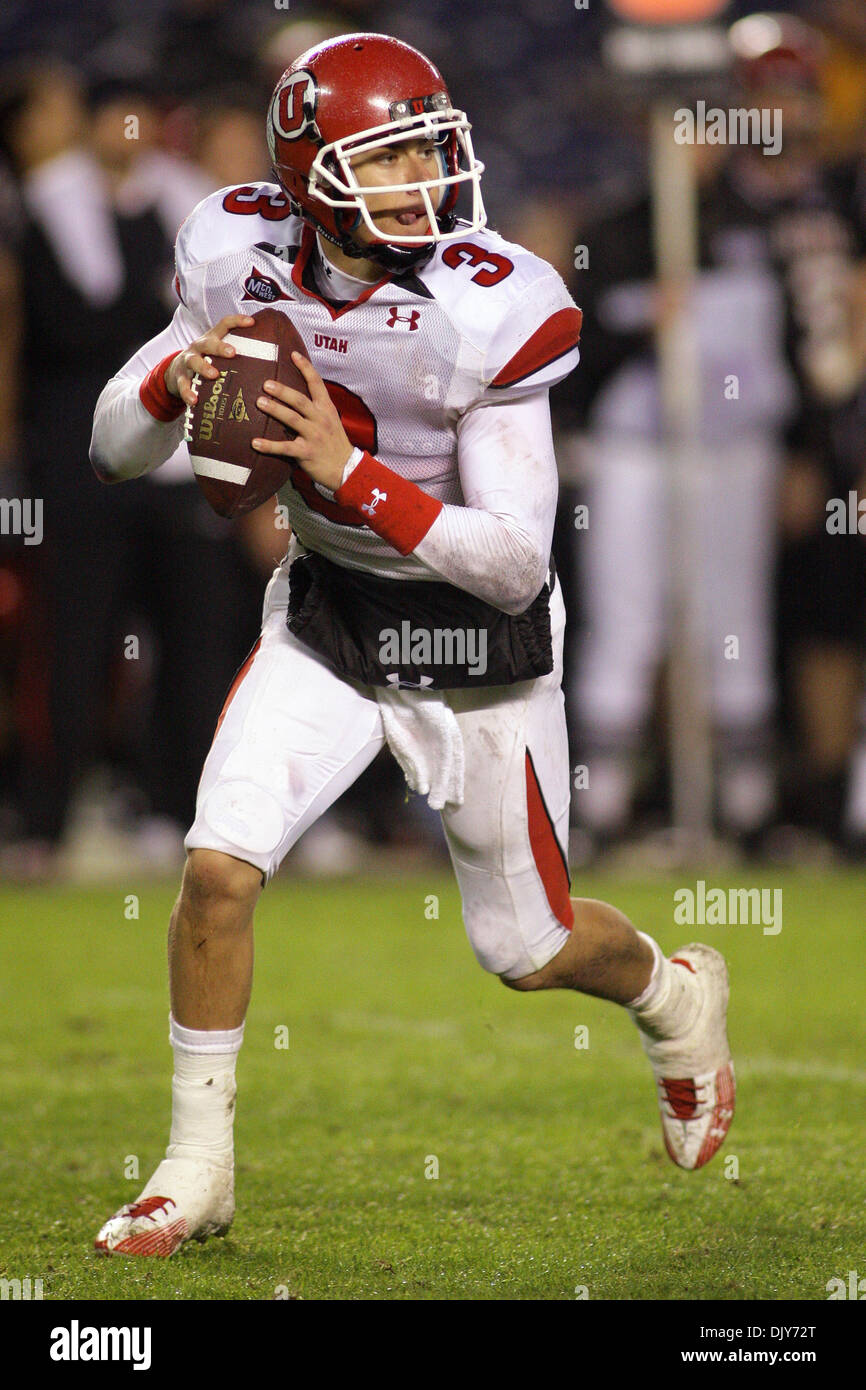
293	108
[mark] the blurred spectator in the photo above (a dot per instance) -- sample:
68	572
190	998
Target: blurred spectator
230	145
772	307
124	137
738	320
806	201
93	254
82	312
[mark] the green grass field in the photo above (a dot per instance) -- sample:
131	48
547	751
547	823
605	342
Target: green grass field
551	1170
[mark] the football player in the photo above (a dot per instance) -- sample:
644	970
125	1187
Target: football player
421	499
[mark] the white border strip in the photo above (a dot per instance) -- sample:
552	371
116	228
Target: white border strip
214	468
251	347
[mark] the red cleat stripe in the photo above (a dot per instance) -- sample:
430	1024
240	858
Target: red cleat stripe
678	960
163	1241
723	1114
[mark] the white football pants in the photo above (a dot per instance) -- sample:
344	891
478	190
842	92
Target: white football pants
293	736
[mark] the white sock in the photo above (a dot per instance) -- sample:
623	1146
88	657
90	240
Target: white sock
667	1007
203	1093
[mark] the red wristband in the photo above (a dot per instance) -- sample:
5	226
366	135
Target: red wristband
397	510
155	395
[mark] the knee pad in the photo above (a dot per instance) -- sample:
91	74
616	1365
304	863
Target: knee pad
498	946
510	924
243	814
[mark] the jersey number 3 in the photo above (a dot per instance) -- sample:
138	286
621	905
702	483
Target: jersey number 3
491	266
248	201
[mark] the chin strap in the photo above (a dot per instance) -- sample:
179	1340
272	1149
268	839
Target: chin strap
391	257
394	259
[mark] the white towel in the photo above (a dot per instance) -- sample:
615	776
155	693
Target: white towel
424	736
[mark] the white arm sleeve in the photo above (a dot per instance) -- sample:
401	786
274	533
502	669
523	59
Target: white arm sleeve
497	546
127	441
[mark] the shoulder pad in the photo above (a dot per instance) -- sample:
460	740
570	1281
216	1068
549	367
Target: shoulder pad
512	306
229	220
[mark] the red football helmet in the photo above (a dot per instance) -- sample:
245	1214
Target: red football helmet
353	94
776	50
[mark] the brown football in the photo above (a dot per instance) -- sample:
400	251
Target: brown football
221	426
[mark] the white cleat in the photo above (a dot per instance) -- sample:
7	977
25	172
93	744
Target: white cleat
694	1073
184	1200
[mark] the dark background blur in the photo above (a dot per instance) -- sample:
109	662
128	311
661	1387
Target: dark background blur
121	629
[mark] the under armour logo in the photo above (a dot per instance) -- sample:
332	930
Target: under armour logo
411	320
393	678
370	507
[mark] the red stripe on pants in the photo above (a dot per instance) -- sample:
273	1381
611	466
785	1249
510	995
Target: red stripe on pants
546	852
233	688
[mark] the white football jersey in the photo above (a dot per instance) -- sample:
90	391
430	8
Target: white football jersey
483	321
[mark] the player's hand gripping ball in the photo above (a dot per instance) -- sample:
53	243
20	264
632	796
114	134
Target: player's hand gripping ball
222	414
